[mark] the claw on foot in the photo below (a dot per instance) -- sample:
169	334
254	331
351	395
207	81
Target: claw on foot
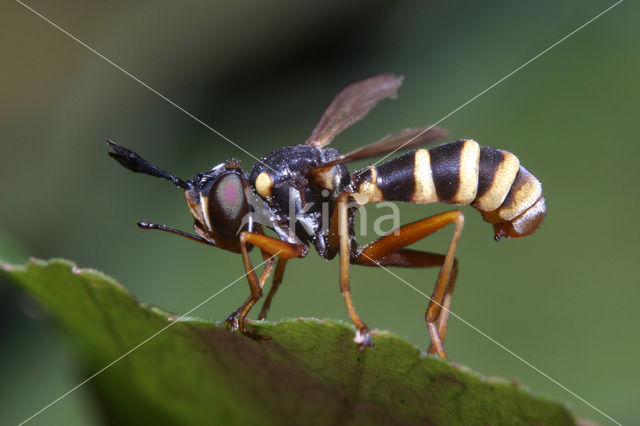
433	351
436	347
232	322
363	338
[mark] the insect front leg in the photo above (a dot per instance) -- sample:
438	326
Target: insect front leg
271	248
236	319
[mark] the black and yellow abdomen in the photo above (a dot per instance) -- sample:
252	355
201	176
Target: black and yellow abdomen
462	173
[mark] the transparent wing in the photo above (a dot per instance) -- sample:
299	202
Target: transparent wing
351	105
408	138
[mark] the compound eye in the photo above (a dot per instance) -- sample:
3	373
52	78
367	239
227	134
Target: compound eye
228	205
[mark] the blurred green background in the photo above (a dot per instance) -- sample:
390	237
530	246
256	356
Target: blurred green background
261	73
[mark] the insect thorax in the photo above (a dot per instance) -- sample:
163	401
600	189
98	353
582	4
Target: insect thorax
298	199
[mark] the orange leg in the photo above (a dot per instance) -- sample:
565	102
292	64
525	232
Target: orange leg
389	251
277	279
407	258
269	246
237	318
363	337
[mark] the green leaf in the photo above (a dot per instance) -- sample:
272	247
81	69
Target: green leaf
194	371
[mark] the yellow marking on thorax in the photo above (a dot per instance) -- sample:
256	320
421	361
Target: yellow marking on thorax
503	179
325	178
425	191
264	184
468	173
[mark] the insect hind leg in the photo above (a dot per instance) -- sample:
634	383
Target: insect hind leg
389	251
408	258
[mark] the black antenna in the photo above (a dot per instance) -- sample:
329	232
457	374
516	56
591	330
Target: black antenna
132	161
146	225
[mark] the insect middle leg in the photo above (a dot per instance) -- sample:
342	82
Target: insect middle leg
363	336
389	251
277	279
